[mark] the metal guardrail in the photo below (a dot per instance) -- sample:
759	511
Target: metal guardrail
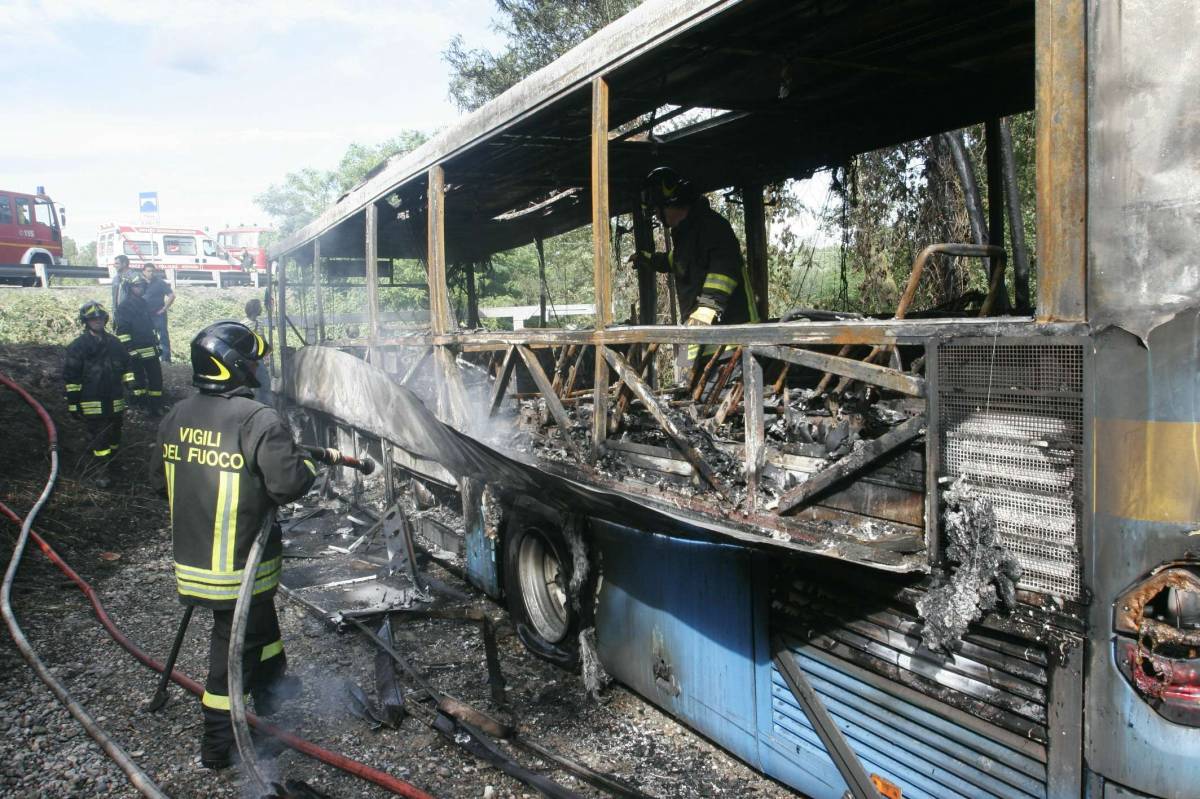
31	272
37	275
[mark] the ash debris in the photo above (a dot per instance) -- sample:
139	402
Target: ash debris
986	571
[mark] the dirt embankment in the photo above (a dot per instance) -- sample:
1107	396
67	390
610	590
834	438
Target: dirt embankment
119	540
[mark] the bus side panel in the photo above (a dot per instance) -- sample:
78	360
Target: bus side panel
676	622
1147	509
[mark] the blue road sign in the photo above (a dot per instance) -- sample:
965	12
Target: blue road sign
148	202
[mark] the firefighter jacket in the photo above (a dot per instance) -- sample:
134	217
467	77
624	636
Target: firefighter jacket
135	327
706	261
95	374
226	462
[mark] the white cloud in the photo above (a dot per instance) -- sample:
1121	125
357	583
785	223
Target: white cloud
210	102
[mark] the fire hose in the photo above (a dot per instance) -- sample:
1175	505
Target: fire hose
136	776
241	612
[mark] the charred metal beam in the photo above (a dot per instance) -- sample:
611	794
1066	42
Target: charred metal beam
860	458
843	757
553	404
455	407
882	376
498	391
473	740
416	364
604	782
1016	222
642	391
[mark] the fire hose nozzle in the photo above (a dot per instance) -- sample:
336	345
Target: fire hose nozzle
333	457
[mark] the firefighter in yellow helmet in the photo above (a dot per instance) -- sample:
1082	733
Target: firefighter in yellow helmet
226	462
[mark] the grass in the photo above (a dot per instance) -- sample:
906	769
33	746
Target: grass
36	316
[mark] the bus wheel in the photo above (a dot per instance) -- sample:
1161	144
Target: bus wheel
537	571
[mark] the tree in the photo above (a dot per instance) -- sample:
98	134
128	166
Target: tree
536	33
304	194
76	255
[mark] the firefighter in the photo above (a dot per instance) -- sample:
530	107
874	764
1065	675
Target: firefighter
123	272
705	259
95	374
225	462
135	328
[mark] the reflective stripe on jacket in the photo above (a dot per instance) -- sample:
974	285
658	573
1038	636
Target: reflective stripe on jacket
225	463
136	327
706	260
95	372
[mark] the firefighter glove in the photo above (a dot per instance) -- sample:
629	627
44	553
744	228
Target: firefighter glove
703	315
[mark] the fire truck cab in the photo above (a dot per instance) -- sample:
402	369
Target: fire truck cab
30	230
238	241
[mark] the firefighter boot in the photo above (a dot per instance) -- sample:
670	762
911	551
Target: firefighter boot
102	478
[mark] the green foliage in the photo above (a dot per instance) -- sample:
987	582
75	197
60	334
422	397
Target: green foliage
304	194
33	316
536	33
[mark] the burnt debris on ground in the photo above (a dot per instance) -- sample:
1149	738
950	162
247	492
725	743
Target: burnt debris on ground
119	540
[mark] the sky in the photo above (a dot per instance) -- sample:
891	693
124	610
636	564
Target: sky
208	103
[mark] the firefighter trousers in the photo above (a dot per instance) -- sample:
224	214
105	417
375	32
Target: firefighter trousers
104	437
263	665
147	376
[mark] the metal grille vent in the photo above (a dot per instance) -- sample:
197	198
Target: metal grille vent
1010	418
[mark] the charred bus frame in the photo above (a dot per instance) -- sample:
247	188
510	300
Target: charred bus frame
1076	418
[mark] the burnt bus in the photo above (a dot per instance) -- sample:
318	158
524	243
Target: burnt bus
933	552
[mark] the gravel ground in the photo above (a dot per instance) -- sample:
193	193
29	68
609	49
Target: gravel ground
118	540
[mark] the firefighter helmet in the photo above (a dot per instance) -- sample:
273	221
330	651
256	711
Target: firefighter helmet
92	310
664	186
137	281
224	355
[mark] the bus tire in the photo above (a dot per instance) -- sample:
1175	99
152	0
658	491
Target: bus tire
537	573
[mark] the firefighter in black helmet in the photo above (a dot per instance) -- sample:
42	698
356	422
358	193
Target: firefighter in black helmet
135	328
705	259
95	374
225	462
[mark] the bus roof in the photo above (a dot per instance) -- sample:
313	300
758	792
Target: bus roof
807	85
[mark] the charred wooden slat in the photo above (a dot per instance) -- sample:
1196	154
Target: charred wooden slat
560	365
731	401
627	375
805	333
856	460
506	372
752	382
722	380
882	376
552	402
697	384
624	395
570	386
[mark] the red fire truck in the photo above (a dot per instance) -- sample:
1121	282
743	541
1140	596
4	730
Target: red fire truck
237	241
30	230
